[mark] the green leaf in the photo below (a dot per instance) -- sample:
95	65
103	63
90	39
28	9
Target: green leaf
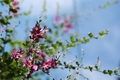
1	48
70	45
102	36
72	39
105	72
49	39
110	72
96	37
101	33
96	67
63	47
90	68
106	4
90	35
86	39
77	63
7	1
56	27
55	46
72	67
50	30
8	17
59	43
12	9
116	72
9	31
5	56
56	33
4	21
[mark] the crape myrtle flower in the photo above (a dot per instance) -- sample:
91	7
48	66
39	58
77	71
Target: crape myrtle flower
37	32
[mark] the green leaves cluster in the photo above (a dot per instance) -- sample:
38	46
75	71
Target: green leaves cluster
8	68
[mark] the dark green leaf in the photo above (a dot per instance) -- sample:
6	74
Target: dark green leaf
90	68
105	72
12	9
110	72
9	31
90	35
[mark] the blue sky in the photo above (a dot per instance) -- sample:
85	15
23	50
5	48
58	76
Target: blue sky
108	48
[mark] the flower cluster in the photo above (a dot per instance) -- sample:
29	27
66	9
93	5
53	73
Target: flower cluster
32	67
38	61
15	7
49	64
37	32
32	59
66	22
16	54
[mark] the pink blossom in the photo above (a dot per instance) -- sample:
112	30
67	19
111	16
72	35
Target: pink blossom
34	68
15	6
49	64
37	32
56	18
16	54
65	30
41	55
68	18
1	29
27	63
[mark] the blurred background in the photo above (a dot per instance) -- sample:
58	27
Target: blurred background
90	16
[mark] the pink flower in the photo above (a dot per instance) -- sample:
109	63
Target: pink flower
65	30
56	18
14	14
27	63
1	29
69	18
37	32
16	54
41	55
49	64
34	68
15	6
